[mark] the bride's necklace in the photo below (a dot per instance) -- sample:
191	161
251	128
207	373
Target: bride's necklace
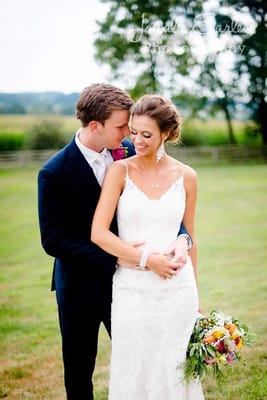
156	180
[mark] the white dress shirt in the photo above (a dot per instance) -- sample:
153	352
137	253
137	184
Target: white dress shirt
99	162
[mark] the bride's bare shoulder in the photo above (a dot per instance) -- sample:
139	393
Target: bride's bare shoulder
184	169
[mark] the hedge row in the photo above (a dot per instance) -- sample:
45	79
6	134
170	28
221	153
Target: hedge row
46	135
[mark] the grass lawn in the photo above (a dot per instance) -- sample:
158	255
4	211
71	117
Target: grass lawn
232	237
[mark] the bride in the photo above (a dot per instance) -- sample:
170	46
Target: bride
154	306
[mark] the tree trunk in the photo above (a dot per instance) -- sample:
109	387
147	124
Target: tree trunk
263	121
229	125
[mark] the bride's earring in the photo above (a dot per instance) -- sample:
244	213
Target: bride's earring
160	152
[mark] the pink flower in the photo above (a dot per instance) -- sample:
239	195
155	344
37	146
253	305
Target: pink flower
211	360
230	357
119	153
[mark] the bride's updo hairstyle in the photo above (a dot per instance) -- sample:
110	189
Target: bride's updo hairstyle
163	112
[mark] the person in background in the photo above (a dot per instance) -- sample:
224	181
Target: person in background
154	308
69	186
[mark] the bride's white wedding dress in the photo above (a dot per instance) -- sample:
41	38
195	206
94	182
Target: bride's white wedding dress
152	318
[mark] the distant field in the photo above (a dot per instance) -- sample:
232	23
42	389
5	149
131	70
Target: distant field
232	236
22	123
195	132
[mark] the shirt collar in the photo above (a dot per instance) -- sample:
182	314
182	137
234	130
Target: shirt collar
89	154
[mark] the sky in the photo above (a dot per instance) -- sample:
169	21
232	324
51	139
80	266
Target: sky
47	45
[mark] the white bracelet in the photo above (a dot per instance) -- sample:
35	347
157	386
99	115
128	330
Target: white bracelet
143	259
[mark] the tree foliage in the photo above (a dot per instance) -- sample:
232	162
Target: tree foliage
153	46
142	42
46	135
252	61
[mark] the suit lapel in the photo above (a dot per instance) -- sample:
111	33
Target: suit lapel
79	163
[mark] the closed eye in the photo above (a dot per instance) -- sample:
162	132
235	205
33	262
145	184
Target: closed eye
146	135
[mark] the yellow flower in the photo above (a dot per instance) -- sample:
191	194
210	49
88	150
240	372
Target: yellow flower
218	334
222	359
239	343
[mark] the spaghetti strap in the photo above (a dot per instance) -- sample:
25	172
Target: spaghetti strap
184	171
126	166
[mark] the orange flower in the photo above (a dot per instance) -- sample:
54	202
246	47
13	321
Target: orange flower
209	339
231	328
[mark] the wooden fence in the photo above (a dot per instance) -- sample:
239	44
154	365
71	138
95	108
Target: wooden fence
206	154
189	155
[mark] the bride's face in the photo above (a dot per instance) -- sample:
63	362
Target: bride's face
145	135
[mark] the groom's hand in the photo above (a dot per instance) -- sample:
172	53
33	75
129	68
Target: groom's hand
177	251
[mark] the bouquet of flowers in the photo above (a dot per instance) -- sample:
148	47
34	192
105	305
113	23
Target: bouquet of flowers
215	342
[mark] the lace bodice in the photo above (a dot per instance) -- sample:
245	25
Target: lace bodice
156	222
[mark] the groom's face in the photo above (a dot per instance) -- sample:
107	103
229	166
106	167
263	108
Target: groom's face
114	129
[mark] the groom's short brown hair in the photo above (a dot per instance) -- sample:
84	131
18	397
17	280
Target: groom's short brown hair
99	100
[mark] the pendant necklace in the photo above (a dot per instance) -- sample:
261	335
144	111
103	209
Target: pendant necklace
157	184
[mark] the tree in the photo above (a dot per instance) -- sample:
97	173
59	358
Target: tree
252	62
219	94
143	43
154	46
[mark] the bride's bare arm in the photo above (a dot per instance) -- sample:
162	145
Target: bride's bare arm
107	240
190	184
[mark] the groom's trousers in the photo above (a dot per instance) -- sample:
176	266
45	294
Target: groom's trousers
79	330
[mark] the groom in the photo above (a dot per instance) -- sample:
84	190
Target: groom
69	186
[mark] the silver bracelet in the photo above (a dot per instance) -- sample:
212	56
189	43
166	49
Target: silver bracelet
143	259
188	240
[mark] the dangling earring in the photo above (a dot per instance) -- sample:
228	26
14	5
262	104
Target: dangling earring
160	152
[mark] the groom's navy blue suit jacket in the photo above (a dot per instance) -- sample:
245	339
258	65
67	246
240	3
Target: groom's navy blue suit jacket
68	193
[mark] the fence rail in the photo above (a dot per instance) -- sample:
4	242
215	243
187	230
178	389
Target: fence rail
24	157
190	155
236	153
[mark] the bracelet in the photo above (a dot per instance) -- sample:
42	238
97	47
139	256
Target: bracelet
188	240
143	259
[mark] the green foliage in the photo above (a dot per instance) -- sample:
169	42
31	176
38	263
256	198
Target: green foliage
252	62
151	46
196	132
12	141
145	34
13	108
46	135
23	123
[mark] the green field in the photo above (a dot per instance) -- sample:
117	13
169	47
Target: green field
195	132
22	123
232	237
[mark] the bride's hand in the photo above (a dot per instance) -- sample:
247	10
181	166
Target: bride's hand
128	263
162	265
